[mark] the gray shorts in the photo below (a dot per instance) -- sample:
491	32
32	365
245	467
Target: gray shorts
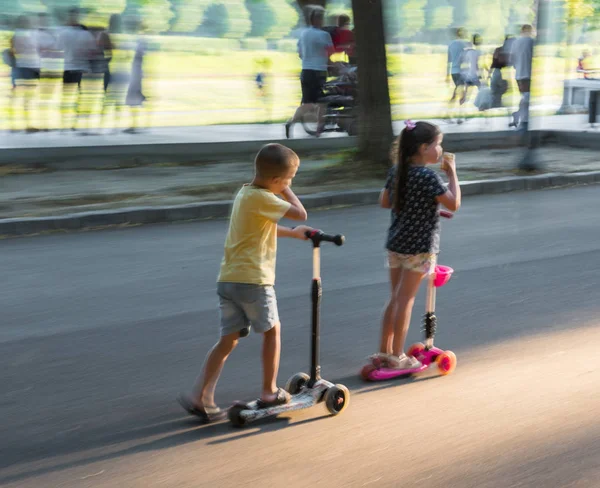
241	305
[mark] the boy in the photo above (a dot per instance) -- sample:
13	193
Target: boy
245	283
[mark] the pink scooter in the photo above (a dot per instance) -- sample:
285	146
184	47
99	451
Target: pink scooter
426	353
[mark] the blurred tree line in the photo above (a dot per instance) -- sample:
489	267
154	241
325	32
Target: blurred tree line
423	21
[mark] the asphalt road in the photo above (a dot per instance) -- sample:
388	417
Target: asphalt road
99	331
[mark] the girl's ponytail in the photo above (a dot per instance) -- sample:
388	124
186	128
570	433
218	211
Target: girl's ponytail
401	180
408	144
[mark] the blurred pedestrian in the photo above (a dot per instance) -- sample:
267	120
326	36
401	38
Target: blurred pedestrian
343	38
314	48
521	58
454	70
50	72
25	47
135	97
474	71
263	85
116	76
78	46
498	85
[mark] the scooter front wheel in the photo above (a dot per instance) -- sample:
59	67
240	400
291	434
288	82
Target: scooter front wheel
336	399
446	362
297	383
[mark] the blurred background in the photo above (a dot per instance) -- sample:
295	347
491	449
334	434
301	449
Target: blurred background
235	61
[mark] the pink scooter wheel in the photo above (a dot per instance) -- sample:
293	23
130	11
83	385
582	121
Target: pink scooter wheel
416	350
366	371
446	362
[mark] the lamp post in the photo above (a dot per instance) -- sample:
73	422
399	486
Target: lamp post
531	160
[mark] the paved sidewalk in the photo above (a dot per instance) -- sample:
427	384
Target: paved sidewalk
251	132
42	192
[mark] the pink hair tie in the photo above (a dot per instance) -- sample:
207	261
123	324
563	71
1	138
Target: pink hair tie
410	125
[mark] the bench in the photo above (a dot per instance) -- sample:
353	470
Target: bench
576	94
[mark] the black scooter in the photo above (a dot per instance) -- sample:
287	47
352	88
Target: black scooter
306	390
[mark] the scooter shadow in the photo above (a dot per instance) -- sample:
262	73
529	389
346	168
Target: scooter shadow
358	386
268	424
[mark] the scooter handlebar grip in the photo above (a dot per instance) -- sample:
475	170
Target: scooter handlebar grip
446	214
317	237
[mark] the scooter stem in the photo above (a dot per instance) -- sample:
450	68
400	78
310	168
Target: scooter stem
316	292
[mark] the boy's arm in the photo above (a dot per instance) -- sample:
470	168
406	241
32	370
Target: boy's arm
297	210
298	232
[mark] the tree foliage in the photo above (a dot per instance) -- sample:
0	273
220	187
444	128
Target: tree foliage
155	15
226	18
187	14
271	19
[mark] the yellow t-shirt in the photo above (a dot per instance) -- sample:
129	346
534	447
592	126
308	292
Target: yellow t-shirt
251	243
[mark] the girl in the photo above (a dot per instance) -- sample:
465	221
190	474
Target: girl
413	192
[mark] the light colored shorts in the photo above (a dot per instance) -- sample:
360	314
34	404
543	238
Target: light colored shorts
242	305
421	263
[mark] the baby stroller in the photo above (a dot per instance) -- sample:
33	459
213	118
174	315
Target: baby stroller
339	98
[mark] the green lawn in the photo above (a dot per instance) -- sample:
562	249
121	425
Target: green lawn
199	89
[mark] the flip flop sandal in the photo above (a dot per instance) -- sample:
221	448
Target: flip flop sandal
281	398
205	414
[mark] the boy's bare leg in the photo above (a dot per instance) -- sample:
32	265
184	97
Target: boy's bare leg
203	394
270	357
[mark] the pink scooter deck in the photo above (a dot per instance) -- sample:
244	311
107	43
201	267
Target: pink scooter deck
371	372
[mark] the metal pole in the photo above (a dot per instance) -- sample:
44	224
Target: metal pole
315	367
531	160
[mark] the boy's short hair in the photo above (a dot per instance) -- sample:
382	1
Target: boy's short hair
275	160
343	20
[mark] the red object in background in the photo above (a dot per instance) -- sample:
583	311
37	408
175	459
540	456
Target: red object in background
343	40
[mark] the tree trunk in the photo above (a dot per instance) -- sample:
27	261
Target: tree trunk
374	111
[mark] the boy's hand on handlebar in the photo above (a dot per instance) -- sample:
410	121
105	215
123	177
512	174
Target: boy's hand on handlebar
300	231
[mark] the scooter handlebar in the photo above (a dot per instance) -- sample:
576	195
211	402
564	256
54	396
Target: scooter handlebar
317	236
446	214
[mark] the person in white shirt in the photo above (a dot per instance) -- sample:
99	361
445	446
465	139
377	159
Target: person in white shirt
473	71
314	48
521	57
49	70
454	70
24	45
78	46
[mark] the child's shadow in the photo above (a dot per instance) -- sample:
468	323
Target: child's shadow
186	429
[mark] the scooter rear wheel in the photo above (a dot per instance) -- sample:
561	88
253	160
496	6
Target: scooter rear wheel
366	371
234	415
336	399
416	349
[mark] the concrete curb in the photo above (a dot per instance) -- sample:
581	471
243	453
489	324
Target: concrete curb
220	209
110	156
